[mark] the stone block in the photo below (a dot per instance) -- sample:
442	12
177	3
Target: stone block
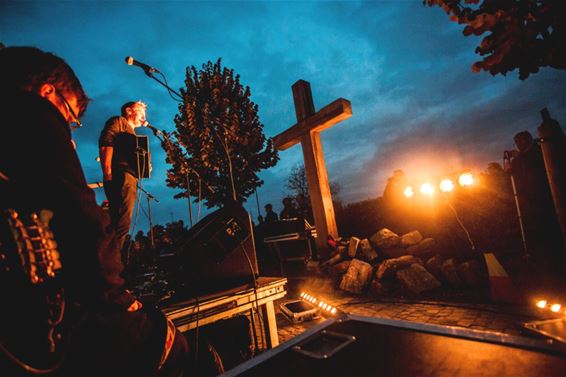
367	253
339	268
357	277
425	247
377	288
389	266
434	266
417	279
393	252
450	272
353	247
385	238
410	239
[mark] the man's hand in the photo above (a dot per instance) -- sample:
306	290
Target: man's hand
107	177
136	305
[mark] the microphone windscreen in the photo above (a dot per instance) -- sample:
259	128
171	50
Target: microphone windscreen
129	60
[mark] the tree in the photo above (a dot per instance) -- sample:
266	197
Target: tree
297	185
526	34
219	141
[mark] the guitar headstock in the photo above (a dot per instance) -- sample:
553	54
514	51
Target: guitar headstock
36	246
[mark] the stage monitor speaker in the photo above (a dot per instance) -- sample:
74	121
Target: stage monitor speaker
218	253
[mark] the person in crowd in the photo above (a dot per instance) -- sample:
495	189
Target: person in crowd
535	201
270	216
289	211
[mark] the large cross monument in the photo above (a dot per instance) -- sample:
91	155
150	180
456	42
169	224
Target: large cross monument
307	132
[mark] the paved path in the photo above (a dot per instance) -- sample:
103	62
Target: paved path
486	317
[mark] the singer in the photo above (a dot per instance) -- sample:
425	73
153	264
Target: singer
118	160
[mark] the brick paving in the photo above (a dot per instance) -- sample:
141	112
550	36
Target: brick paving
504	319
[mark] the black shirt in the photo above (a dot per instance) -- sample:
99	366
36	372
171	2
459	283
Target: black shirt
41	163
119	135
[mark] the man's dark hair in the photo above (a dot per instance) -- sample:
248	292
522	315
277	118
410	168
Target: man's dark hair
268	206
28	68
125	106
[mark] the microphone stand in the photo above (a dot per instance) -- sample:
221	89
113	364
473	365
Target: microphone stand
169	89
149	198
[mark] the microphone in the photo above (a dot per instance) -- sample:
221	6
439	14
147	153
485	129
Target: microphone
148	69
155	130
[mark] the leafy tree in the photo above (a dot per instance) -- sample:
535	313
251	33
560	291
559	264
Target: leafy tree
219	140
526	34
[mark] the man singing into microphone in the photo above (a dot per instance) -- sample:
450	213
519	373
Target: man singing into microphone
119	165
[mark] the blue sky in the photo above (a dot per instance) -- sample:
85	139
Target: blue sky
405	68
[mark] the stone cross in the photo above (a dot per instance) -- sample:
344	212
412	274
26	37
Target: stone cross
307	132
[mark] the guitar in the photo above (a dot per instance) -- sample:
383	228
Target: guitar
30	269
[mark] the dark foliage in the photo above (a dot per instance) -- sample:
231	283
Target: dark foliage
524	35
219	141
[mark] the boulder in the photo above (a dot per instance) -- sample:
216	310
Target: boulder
393	252
385	238
389	266
336	257
339	268
434	266
417	279
411	239
424	247
367	253
377	288
450	272
357	277
472	273
353	247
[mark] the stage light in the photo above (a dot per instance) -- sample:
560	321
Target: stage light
408	192
466	179
541	304
446	185
427	189
333	311
555	308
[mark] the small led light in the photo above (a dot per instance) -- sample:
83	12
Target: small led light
329	308
320	304
446	185
333	311
427	189
466	179
541	304
555	308
409	192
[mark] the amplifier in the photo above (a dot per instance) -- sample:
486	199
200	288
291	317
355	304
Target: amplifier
218	253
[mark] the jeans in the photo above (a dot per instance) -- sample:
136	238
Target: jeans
121	195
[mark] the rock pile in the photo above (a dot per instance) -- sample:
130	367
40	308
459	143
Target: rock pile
387	260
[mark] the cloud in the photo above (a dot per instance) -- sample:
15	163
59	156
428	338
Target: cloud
405	68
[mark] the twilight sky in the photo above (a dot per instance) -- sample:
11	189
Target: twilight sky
405	68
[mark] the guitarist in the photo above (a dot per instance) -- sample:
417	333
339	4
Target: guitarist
106	331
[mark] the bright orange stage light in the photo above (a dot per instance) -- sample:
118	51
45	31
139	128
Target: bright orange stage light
446	185
466	179
409	192
427	189
541	304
